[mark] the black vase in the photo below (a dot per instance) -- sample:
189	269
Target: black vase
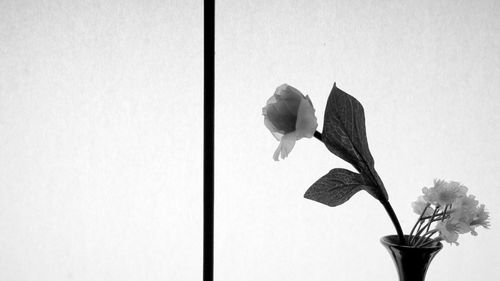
411	263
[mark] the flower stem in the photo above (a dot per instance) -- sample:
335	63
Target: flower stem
444	212
427	236
432	218
394	220
422	229
318	136
428	243
437	216
412	238
419	219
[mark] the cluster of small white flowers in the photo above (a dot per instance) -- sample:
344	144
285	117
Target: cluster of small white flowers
460	213
444	193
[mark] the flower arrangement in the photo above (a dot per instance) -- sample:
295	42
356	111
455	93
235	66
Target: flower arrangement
453	211
290	116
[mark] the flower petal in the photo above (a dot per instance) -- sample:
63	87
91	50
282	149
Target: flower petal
306	120
282	108
288	91
277	134
285	147
419	207
271	100
277	153
449	235
462	227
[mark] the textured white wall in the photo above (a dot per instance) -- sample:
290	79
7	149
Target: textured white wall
101	140
427	73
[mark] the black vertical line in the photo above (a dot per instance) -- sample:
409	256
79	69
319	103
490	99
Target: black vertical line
208	139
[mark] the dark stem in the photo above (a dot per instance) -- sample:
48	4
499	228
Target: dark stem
438	215
424	237
444	212
394	220
435	240
422	228
418	221
318	136
432	218
419	228
428	225
384	202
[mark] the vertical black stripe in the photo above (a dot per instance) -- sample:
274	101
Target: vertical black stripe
208	140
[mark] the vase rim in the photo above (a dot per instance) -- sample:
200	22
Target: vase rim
393	240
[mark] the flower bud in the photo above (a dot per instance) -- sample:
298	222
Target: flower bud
289	115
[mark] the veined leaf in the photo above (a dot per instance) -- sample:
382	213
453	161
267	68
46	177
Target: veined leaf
336	187
344	134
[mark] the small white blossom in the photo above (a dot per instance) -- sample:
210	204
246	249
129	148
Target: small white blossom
481	218
444	193
465	216
447	231
464	208
450	228
455	212
420	205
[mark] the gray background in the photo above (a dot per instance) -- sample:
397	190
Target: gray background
101	140
427	73
101	135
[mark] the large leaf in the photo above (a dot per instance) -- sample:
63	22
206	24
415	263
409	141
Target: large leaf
336	187
344	134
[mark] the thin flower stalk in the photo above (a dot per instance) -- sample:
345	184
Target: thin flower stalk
444	212
435	240
438	215
425	237
432	218
425	227
418	221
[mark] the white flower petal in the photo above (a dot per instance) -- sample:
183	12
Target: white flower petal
462	227
285	147
271	99
272	129
419	207
286	89
277	153
447	231
306	120
444	193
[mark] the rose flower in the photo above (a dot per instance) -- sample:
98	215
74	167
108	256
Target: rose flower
289	115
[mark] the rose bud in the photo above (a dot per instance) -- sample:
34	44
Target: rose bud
289	115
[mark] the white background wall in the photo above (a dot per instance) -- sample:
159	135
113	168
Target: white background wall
101	140
100	131
427	73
